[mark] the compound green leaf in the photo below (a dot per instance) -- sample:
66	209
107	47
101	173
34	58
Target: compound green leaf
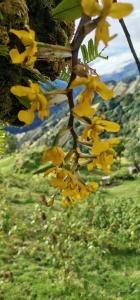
68	10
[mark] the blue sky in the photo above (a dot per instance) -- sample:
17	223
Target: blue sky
118	50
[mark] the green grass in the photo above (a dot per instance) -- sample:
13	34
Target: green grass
129	189
90	251
7	164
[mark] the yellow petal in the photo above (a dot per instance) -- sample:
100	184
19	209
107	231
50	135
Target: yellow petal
109	159
43	102
91	165
79	81
42	114
26	116
103	90
25	36
50	170
31	52
107	3
86	133
34	87
55	154
16	57
84	110
20	91
91	7
110	126
58	183
120	10
114	141
102	32
87	95
31	61
100	147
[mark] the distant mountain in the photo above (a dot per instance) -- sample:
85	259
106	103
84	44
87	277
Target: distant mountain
127	73
115	109
123	82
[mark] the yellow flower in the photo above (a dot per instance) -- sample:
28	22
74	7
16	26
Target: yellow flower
26	116
77	190
93	85
104	154
102	32
38	102
54	154
29	56
69	184
102	146
84	108
98	125
108	8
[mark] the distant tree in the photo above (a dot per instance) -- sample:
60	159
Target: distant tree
133	145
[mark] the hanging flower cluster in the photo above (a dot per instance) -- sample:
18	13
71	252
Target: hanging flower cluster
64	174
67	181
101	152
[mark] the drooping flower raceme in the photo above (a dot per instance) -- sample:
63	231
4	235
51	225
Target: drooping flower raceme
68	182
63	174
38	102
28	56
108	8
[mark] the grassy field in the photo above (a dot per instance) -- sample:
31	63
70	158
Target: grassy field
87	252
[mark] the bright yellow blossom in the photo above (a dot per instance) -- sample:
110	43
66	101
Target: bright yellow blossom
104	154
98	125
102	146
38	102
70	185
108	8
54	154
102	32
29	56
84	108
93	85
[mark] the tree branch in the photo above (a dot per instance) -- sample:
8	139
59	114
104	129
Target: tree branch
128	37
86	25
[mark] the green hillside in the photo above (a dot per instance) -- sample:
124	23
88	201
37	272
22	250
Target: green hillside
84	252
125	110
88	251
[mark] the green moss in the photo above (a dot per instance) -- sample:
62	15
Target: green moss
9	105
50	31
15	14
